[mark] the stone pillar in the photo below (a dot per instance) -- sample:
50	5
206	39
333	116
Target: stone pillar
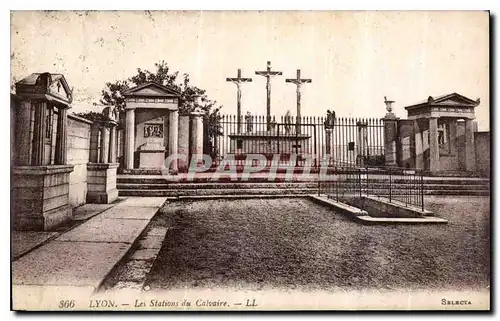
328	141
419	147
452	125
173	139
183	147
24	133
470	156
62	137
129	138
197	138
390	139
112	144
38	152
362	136
433	145
104	150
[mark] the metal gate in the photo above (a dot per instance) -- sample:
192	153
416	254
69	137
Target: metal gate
297	142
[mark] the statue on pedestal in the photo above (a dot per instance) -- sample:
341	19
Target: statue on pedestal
330	119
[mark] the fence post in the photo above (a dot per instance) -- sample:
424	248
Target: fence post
367	182
337	185
359	179
390	186
319	184
422	188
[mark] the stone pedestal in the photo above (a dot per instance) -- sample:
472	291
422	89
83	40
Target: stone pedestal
328	141
40	196
101	183
390	137
151	156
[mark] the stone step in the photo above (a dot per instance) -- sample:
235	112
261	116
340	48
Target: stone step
192	192
223	180
267	191
180	186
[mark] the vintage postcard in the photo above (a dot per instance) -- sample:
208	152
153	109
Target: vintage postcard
250	160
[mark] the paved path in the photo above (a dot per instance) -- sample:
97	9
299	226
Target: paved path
76	262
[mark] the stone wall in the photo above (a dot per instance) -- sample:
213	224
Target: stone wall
482	144
78	155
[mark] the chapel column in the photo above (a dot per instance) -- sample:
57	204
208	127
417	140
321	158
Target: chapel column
452	125
129	138
173	139
112	144
23	134
38	153
61	137
104	152
433	145
470	155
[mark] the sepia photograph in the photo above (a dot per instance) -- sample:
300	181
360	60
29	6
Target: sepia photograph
241	160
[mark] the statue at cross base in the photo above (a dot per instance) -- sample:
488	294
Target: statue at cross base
249	121
288	121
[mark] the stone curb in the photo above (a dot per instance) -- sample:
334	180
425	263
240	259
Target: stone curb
363	217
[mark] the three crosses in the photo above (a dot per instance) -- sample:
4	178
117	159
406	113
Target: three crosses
268	74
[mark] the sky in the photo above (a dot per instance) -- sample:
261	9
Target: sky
354	58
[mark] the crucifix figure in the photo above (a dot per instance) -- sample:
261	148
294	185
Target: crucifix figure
298	82
238	81
268	74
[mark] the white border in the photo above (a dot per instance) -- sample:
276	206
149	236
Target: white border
492	5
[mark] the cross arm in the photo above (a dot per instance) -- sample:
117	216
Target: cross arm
269	73
299	81
239	79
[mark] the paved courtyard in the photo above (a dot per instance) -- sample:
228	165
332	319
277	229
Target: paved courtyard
293	243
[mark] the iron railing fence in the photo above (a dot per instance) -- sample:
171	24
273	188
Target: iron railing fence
396	185
347	141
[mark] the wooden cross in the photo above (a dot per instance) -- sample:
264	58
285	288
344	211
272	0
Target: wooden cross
238	80
298	82
268	74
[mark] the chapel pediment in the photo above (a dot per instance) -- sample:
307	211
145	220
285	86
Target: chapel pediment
455	100
46	85
151	89
451	100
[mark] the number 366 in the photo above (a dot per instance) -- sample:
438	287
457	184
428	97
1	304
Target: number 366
66	304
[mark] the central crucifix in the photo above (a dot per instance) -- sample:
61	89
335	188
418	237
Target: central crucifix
298	82
268	74
238	81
